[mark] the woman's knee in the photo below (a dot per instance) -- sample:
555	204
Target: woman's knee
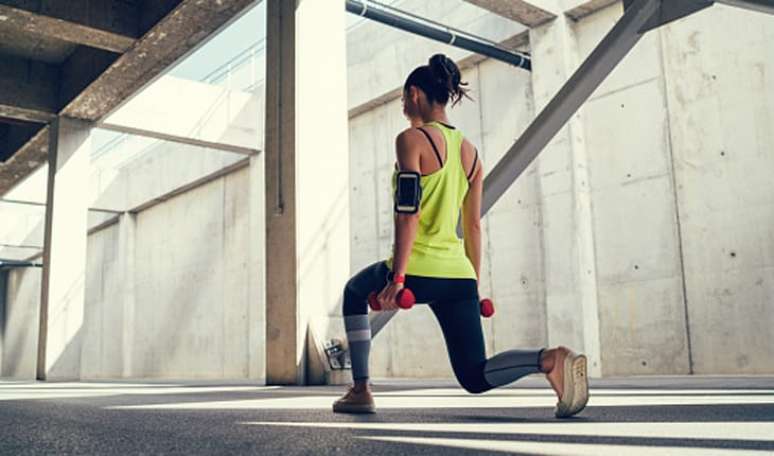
473	382
358	286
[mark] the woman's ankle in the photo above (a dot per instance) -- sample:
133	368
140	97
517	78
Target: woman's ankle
547	358
361	385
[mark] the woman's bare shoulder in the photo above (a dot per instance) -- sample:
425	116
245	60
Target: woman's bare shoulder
409	134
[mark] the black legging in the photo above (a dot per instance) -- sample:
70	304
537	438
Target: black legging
455	304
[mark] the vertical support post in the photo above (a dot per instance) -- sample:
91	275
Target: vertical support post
572	317
307	179
64	253
3	300
283	342
256	286
127	228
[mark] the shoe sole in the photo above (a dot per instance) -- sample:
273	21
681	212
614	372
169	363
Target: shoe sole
350	408
576	388
580	374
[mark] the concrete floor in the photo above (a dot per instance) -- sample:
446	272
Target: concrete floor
654	415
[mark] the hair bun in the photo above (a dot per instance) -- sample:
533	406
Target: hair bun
445	71
440	80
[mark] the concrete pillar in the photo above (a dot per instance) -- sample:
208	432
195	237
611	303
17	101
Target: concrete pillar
256	350
568	235
3	300
307	177
127	228
64	253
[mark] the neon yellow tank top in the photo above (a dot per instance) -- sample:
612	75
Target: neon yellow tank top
437	251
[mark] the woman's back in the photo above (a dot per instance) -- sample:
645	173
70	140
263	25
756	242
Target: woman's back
437	251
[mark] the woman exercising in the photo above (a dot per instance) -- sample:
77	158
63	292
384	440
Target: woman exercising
438	172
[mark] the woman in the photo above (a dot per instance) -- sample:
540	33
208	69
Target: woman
438	267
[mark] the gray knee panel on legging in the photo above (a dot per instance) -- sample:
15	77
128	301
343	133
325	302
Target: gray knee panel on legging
511	365
359	338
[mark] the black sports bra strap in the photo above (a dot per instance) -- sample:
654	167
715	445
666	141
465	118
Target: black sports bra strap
435	149
475	160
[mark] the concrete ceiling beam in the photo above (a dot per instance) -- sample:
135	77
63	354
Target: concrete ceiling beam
172	38
83	33
98	93
583	8
523	12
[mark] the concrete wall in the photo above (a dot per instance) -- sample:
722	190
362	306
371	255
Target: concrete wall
190	301
20	335
102	349
720	94
190	291
637	246
190	306
681	205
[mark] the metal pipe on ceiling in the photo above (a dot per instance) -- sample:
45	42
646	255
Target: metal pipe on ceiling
378	13
8	264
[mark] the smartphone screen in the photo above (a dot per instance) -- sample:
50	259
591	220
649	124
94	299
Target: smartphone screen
407	187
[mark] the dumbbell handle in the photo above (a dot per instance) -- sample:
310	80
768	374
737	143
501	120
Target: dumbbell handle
405	300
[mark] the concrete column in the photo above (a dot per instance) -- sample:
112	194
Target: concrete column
307	177
568	235
3	300
127	228
64	254
256	286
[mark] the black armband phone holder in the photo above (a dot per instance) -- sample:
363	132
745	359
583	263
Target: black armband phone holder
408	192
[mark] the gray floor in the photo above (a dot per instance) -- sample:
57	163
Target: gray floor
664	415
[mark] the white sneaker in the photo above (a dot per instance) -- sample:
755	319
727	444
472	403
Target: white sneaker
575	394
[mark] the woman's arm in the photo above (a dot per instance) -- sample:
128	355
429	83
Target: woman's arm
408	154
471	218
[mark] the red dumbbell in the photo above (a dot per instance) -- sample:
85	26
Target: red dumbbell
405	298
487	308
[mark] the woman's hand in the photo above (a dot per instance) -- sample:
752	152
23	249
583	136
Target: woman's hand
388	296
